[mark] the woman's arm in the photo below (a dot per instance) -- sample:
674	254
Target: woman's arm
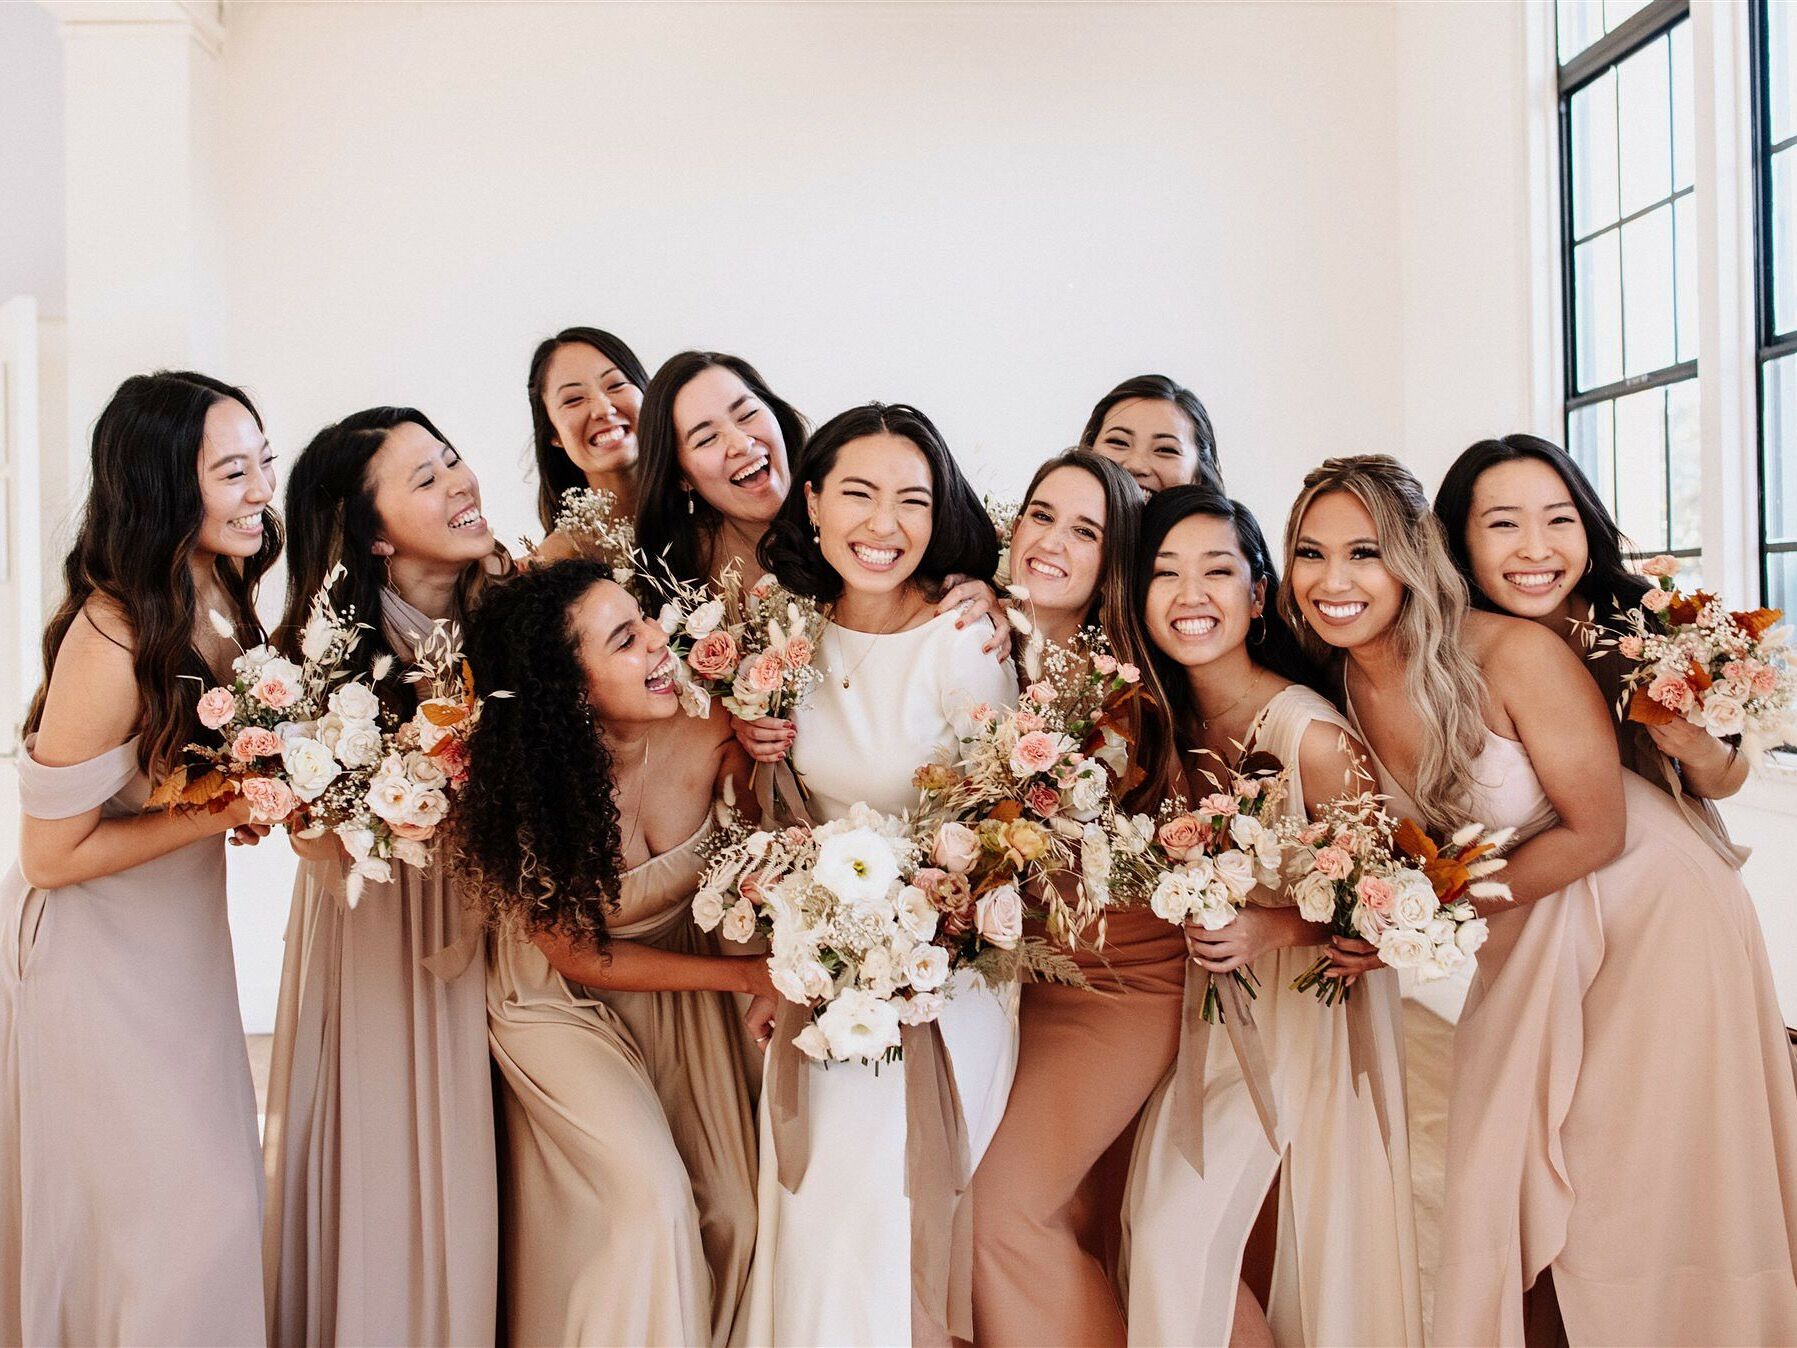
1710	769
92	706
629	966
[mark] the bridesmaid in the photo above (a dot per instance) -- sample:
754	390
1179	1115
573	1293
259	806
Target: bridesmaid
1158	431
1230	679
130	1194
1620	1056
586	393
383	1210
1044	1204
1532	539
884	519
628	1165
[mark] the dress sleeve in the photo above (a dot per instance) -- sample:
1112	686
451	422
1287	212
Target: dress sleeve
970	676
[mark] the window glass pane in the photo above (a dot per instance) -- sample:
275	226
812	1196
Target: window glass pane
1593	168
1616	12
1781	57
1784	239
1644	117
1684	465
1581	24
1778	479
1641	468
1597	320
1684	124
1648	334
1590	439
1684	225
1781	581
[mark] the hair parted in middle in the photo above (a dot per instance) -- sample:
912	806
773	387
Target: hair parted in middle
556	471
1442	681
1160	388
1123	501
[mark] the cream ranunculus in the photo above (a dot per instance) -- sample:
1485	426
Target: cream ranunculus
857	1024
999	917
310	766
857	866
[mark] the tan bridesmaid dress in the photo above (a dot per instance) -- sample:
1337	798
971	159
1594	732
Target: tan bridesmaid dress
628	1177
1622	1120
1344	1267
130	1184
383	1210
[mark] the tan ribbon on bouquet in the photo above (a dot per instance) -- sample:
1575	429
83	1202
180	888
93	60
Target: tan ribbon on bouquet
938	1170
1194	1043
780	794
1366	1065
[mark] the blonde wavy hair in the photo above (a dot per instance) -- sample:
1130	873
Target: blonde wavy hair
1440	678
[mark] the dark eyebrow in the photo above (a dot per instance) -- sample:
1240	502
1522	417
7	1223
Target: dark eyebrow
1087	519
239	456
572	383
701	425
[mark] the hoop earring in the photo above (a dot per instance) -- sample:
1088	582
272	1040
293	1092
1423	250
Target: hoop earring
1260	618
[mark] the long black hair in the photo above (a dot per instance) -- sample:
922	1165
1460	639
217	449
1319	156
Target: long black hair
962	539
1607	585
556	471
535	832
1159	388
1162	749
681	525
139	527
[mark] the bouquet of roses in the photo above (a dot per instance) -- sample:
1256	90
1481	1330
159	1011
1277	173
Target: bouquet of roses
1725	672
1388	883
1051	762
752	649
1199	864
868	919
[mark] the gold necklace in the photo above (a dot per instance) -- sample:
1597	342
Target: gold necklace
873	641
642	788
1204	722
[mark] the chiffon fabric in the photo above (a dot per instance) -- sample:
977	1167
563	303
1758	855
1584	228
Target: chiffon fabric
383	1210
628	1176
1622	1120
1345	1253
833	1259
130	1183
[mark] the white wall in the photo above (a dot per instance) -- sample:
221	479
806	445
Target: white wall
31	177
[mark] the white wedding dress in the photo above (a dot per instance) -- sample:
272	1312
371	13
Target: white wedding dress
832	1261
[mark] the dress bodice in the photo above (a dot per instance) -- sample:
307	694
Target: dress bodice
657	892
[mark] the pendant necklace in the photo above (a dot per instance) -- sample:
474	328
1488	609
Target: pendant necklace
873	641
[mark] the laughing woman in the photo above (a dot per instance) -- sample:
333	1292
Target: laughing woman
1337	1260
1157	431
130	1193
1044	1204
383	1219
884	518
628	1161
1616	1060
586	394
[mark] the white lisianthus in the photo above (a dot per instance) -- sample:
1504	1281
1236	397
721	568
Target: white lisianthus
926	968
328	729
1113	752
1236	871
739	922
857	866
858	1024
811	1042
704	620
355	702
1415	902
1315	897
358	744
1404	948
916	914
999	916
785	977
708	910
310	766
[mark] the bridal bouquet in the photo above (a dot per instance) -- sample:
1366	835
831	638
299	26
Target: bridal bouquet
752	649
1049	763
868	919
1388	883
588	518
1725	672
1200	863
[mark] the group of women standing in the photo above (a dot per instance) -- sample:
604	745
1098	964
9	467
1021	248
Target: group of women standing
520	1096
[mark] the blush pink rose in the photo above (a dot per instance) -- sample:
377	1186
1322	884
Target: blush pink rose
254	742
1657	601
1035	752
1179	836
271	800
957	847
1375	893
713	655
1671	691
1043	799
217	706
1334	863
1660	566
1040	692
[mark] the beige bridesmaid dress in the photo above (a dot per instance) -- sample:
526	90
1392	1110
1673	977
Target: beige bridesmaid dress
130	1184
383	1209
1345	1254
1622	1120
628	1175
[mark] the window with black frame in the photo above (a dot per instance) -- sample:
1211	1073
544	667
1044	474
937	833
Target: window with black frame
1775	134
1629	241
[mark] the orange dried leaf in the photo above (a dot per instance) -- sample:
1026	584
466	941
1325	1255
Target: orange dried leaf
1755	621
1413	841
1006	811
1645	711
444	716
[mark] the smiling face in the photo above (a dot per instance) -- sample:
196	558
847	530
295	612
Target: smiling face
593	408
427	499
629	668
1201	595
1057	544
1338	574
237	481
1152	440
875	512
1525	540
730	447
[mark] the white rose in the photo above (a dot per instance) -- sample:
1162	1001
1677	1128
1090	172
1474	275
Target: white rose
1175	896
703	621
388	796
358	744
739	922
355	702
926	968
916	914
425	808
1315	896
858	1024
328	729
1471	935
920	1008
999	917
811	1042
1245	831
310	766
423	770
250	663
1113	752
708	910
1370	926
1446	959
1723	715
857	866
1415	902
1236	871
1403	948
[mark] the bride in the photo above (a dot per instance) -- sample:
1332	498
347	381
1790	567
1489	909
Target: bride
884	519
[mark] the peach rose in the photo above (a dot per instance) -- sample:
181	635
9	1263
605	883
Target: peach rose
1179	836
713	655
1043	799
217	706
1040	692
1661	566
1335	863
1657	601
